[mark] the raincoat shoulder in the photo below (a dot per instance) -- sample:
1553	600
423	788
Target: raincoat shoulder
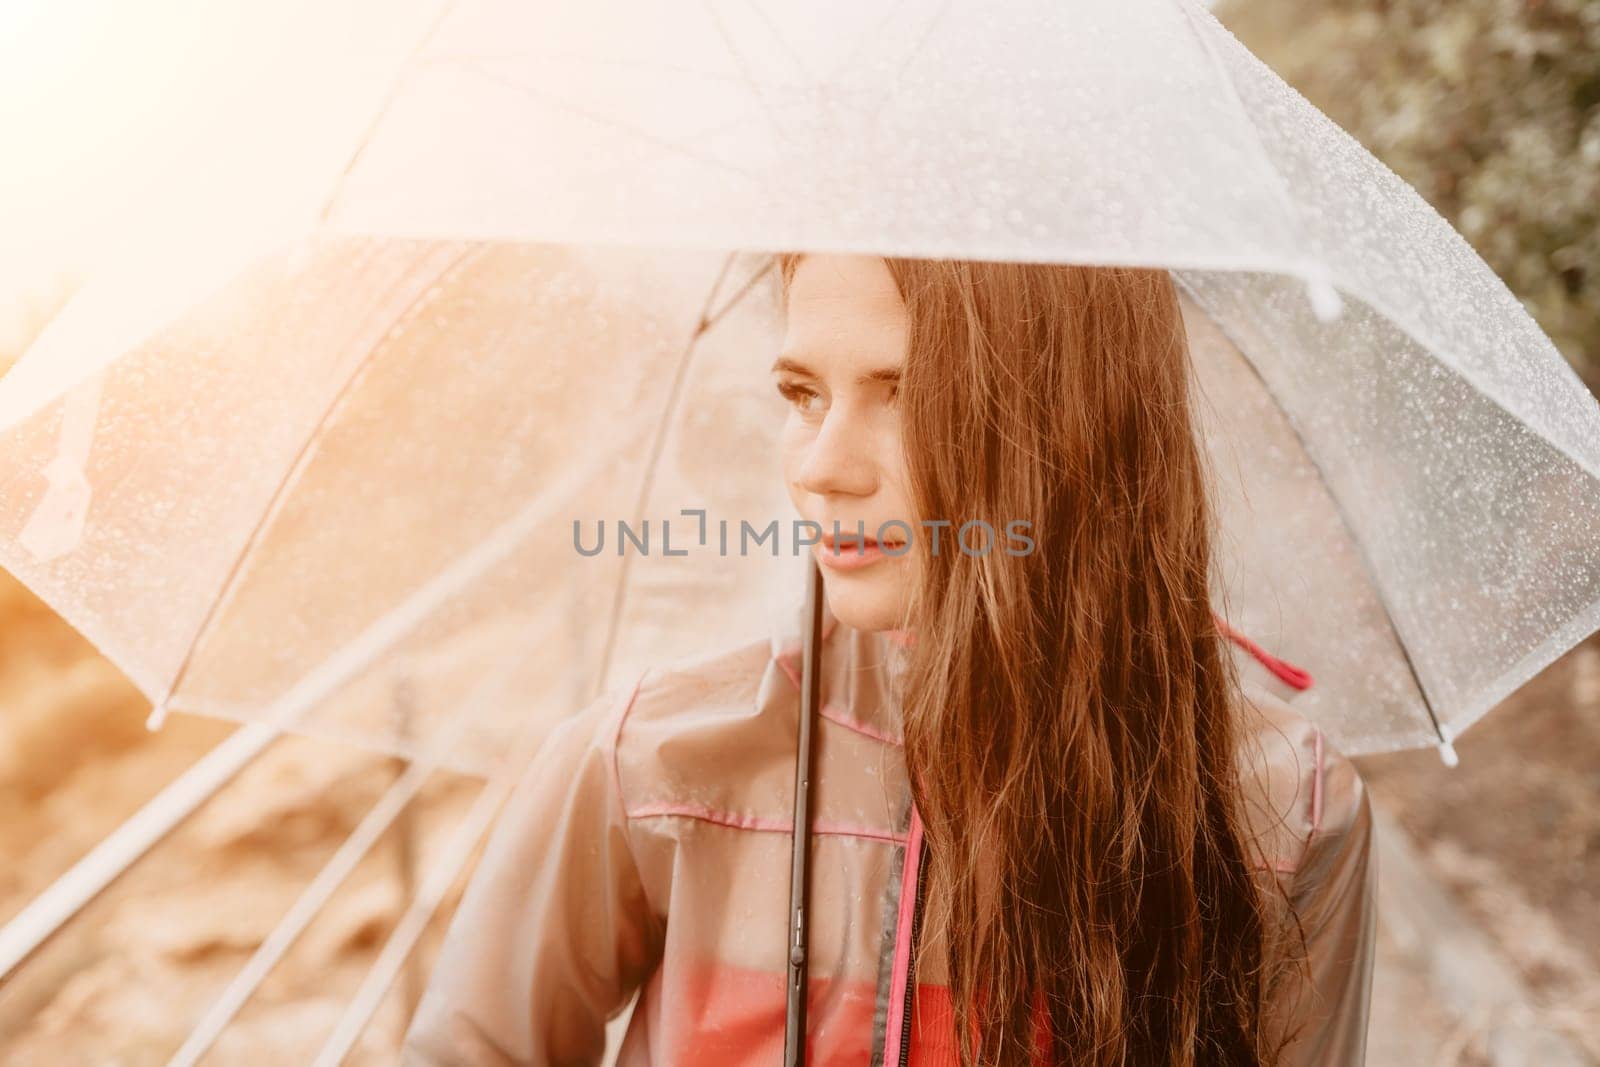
565	915
707	735
1311	819
554	931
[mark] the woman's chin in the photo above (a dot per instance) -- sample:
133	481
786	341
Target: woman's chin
861	605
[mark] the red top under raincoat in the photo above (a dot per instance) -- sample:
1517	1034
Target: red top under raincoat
648	848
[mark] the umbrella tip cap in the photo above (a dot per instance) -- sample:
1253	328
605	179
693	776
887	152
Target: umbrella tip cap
1447	754
1326	303
157	718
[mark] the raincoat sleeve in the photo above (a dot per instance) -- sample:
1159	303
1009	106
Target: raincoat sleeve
554	931
1334	895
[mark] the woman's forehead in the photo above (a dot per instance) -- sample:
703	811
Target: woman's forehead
844	309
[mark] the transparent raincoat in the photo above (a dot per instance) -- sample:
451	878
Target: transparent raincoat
648	847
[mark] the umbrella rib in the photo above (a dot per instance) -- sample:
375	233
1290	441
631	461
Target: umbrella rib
1380	302
1401	321
1274	178
387	629
777	33
614	123
706	321
339	867
744	68
118	850
358	1013
1447	750
403	938
291	473
383	110
475	61
879	29
922	39
715	317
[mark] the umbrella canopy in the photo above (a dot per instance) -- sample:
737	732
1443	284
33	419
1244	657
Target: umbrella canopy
346	488
260	506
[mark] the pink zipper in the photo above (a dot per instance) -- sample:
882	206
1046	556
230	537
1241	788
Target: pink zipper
894	1034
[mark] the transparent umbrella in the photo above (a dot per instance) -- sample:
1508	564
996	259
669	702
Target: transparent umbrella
337	492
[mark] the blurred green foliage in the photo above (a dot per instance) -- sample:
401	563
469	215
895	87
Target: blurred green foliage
1490	108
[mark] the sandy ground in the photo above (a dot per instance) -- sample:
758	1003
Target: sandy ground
1514	832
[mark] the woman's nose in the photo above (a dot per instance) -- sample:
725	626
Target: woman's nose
839	459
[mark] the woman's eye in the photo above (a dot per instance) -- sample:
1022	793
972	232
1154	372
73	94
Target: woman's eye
799	396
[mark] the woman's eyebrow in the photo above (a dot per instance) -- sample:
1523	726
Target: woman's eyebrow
877	376
880	376
792	366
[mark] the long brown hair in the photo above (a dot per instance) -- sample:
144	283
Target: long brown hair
1070	725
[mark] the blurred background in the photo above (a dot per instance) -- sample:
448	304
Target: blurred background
1490	916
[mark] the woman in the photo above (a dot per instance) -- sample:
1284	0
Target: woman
1052	812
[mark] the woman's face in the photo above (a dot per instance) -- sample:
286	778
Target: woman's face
843	461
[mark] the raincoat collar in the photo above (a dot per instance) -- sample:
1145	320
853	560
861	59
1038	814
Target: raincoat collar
862	669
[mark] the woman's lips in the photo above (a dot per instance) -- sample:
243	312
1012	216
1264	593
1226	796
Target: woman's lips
848	552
